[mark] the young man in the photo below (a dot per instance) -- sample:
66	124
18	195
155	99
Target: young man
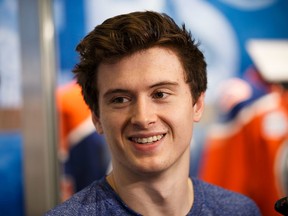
144	79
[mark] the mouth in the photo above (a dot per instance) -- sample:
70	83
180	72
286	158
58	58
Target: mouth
147	140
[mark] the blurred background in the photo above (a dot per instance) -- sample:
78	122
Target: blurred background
46	153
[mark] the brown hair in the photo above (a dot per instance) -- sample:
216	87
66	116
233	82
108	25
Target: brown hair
123	35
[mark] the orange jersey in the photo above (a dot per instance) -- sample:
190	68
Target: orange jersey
72	113
83	152
247	154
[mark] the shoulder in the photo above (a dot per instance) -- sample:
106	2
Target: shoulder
79	202
219	201
96	199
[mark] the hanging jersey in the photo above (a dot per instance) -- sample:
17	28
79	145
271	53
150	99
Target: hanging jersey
83	152
248	153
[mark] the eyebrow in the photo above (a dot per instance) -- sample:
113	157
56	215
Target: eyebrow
114	91
164	83
119	90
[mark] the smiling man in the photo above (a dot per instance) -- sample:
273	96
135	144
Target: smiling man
144	79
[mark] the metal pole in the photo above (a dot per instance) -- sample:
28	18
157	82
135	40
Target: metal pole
39	126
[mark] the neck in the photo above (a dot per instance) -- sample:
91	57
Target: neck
155	194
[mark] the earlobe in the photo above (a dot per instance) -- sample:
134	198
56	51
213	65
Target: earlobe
97	123
199	108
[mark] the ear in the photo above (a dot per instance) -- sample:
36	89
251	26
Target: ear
198	108
97	123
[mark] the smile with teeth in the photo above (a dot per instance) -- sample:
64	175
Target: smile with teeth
147	140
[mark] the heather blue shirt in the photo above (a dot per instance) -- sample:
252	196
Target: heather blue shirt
100	199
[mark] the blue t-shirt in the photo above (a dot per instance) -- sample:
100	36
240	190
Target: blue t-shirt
100	199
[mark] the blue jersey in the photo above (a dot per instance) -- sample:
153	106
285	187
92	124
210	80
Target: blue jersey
100	199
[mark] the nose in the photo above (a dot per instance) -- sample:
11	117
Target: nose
143	114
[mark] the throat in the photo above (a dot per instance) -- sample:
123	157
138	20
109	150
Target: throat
155	198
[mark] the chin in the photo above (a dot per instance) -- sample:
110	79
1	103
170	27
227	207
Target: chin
151	168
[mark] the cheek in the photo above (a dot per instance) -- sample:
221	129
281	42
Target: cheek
112	124
180	119
183	110
108	125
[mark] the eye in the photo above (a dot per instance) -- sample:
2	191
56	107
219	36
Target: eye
160	95
119	100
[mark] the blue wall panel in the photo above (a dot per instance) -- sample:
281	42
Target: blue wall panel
11	175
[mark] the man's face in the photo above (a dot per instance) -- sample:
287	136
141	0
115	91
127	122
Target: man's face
146	111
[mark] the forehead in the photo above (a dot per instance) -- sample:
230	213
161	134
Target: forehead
149	65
